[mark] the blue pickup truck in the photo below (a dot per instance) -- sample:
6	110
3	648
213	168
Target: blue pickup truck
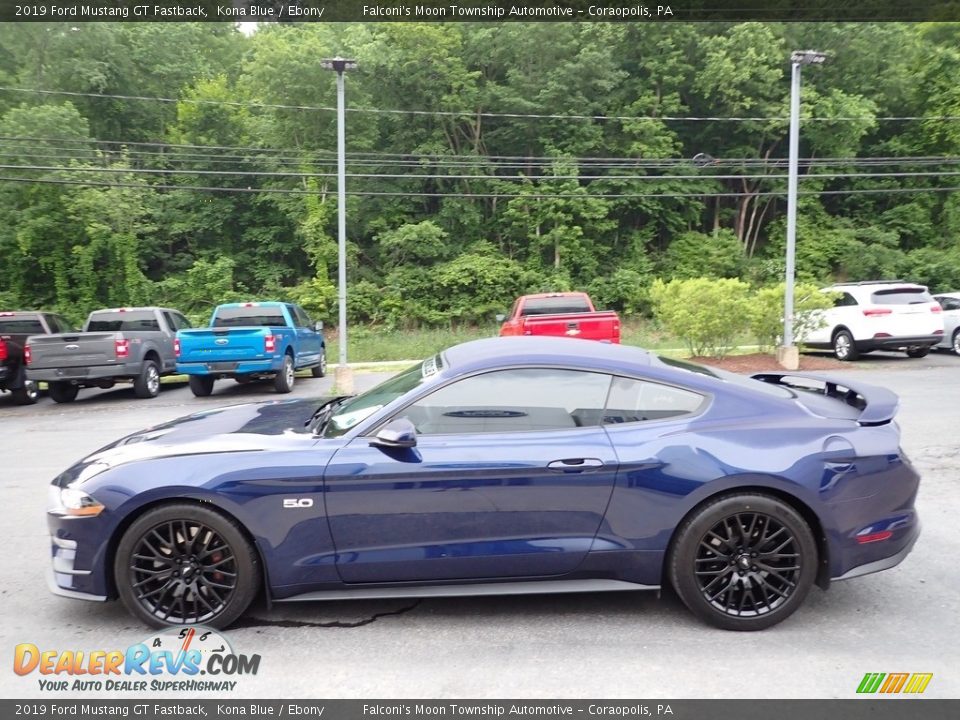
251	341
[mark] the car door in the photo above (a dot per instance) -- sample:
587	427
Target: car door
308	339
951	321
510	477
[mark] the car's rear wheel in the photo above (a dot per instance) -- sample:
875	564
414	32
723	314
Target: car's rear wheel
743	562
320	369
27	394
283	382
918	352
147	383
843	346
201	385
186	565
63	392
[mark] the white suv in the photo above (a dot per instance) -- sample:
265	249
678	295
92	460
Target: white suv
881	315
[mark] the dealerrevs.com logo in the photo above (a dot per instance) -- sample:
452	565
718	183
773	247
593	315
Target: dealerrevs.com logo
190	659
894	683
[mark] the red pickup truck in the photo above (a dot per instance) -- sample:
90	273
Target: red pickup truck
568	314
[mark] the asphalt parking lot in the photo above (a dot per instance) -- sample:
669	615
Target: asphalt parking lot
630	645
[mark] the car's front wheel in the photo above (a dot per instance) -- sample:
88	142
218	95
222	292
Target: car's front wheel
183	564
844	347
743	562
955	342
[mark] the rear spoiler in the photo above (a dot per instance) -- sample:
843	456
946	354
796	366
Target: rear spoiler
877	405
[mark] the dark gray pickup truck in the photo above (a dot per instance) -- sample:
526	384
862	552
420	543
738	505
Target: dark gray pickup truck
119	344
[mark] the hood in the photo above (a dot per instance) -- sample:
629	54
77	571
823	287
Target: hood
253	427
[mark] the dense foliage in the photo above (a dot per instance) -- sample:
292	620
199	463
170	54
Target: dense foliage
188	164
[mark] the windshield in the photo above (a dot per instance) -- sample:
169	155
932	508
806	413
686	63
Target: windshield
359	408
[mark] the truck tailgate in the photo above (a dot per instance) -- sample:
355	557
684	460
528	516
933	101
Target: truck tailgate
76	350
234	344
586	326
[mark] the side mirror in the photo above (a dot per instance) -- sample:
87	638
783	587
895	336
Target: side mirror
501	317
398	433
318	326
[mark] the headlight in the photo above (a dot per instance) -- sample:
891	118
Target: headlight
73	502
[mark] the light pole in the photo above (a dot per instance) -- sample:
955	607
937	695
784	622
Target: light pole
343	376
789	355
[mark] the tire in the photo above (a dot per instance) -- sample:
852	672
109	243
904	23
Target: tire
955	342
173	566
201	385
727	540
918	352
147	383
27	394
844	347
318	371
283	380
63	392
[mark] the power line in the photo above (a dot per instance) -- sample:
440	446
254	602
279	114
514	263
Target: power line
481	114
528	196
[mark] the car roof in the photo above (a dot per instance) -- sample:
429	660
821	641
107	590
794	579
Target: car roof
948	295
500	351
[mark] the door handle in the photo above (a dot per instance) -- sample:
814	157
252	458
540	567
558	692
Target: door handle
575	465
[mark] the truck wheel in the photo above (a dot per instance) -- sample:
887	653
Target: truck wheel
283	381
201	385
320	369
63	392
147	383
26	394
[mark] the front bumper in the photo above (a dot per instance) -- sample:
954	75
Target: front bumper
78	557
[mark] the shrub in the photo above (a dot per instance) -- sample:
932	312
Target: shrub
697	255
766	312
706	314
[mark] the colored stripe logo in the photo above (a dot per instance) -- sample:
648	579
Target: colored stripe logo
890	683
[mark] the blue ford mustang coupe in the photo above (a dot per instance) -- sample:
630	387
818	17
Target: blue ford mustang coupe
508	465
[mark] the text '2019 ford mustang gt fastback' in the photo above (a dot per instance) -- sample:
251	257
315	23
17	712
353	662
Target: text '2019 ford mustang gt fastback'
509	465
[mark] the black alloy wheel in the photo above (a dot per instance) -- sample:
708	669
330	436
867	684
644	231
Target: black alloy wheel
744	562
186	565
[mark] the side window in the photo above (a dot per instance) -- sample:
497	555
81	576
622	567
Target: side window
638	400
303	320
845	300
180	322
294	315
520	400
59	325
168	319
950	303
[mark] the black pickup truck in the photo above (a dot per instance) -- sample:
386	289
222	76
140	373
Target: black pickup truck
15	328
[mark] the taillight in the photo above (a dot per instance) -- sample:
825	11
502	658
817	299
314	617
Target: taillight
936	309
176	347
875	312
269	343
121	347
3	350
27	355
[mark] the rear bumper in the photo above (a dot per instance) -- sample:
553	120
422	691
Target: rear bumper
895	343
885	563
82	374
229	368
